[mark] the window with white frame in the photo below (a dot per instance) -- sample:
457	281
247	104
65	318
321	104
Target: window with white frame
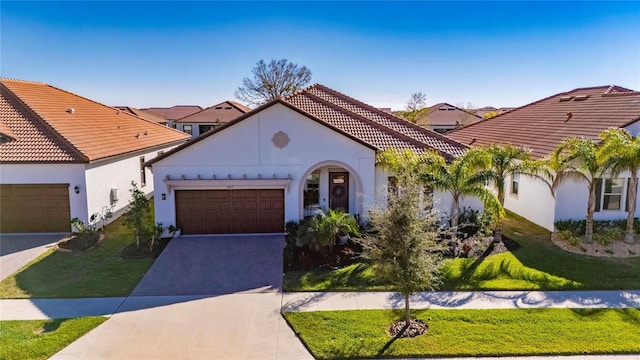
515	183
188	129
612	194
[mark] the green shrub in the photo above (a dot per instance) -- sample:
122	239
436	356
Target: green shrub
606	236
569	237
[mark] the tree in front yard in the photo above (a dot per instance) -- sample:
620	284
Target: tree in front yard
138	216
578	159
403	242
622	151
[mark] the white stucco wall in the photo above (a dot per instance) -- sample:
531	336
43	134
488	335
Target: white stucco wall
72	174
118	172
533	202
247	149
571	203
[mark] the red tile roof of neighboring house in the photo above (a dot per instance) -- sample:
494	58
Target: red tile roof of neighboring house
363	123
444	114
220	113
142	114
174	112
542	125
53	125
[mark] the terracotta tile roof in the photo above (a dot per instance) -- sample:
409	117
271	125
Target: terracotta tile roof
363	123
375	127
542	125
142	114
53	125
443	114
175	112
220	113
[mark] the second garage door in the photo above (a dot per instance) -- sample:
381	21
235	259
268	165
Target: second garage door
230	211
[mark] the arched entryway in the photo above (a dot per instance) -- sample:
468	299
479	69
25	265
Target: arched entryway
330	185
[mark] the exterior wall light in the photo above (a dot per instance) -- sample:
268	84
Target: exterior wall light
76	189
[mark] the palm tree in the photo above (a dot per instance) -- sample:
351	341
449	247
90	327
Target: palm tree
464	176
578	159
622	153
507	161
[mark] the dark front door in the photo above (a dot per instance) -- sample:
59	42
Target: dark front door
339	191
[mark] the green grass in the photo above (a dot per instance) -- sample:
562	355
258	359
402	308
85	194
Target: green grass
99	272
362	334
537	264
40	339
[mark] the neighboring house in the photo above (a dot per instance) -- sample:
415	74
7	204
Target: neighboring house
541	126
210	118
483	111
143	114
171	114
314	149
445	117
64	156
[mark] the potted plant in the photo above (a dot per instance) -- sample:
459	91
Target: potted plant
174	231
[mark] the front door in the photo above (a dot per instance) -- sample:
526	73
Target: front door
339	191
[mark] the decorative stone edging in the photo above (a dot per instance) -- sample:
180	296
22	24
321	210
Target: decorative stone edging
617	249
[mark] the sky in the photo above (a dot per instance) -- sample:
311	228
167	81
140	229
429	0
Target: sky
145	54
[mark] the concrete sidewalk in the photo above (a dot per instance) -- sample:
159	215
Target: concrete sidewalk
41	309
321	301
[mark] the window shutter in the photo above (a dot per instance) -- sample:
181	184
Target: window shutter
598	193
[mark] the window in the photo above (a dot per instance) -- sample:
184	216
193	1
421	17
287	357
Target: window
612	194
143	173
204	128
188	129
515	183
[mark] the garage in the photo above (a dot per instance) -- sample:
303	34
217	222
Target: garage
34	208
230	211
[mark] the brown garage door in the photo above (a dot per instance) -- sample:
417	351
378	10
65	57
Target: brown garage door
230	211
34	208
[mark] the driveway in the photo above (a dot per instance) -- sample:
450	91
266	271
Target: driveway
215	265
17	250
214	297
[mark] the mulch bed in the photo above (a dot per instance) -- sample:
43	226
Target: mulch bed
399	329
81	241
133	252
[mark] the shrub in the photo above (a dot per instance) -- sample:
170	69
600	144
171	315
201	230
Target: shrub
569	237
81	227
608	236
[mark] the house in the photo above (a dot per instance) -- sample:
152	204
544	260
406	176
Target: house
283	160
445	117
205	120
483	111
541	126
64	156
171	114
143	114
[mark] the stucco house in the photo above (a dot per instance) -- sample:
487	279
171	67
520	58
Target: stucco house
210	118
64	156
443	117
281	161
171	114
541	126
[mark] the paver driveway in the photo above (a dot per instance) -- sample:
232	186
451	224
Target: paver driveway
18	250
212	297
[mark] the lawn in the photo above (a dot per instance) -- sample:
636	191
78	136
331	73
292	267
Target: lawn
537	264
40	339
451	333
99	272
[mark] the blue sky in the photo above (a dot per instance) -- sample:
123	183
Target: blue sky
165	53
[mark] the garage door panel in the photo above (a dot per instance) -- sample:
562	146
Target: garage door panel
28	208
230	211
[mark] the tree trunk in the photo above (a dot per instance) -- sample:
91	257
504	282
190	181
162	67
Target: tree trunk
455	212
629	238
497	231
591	206
407	311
